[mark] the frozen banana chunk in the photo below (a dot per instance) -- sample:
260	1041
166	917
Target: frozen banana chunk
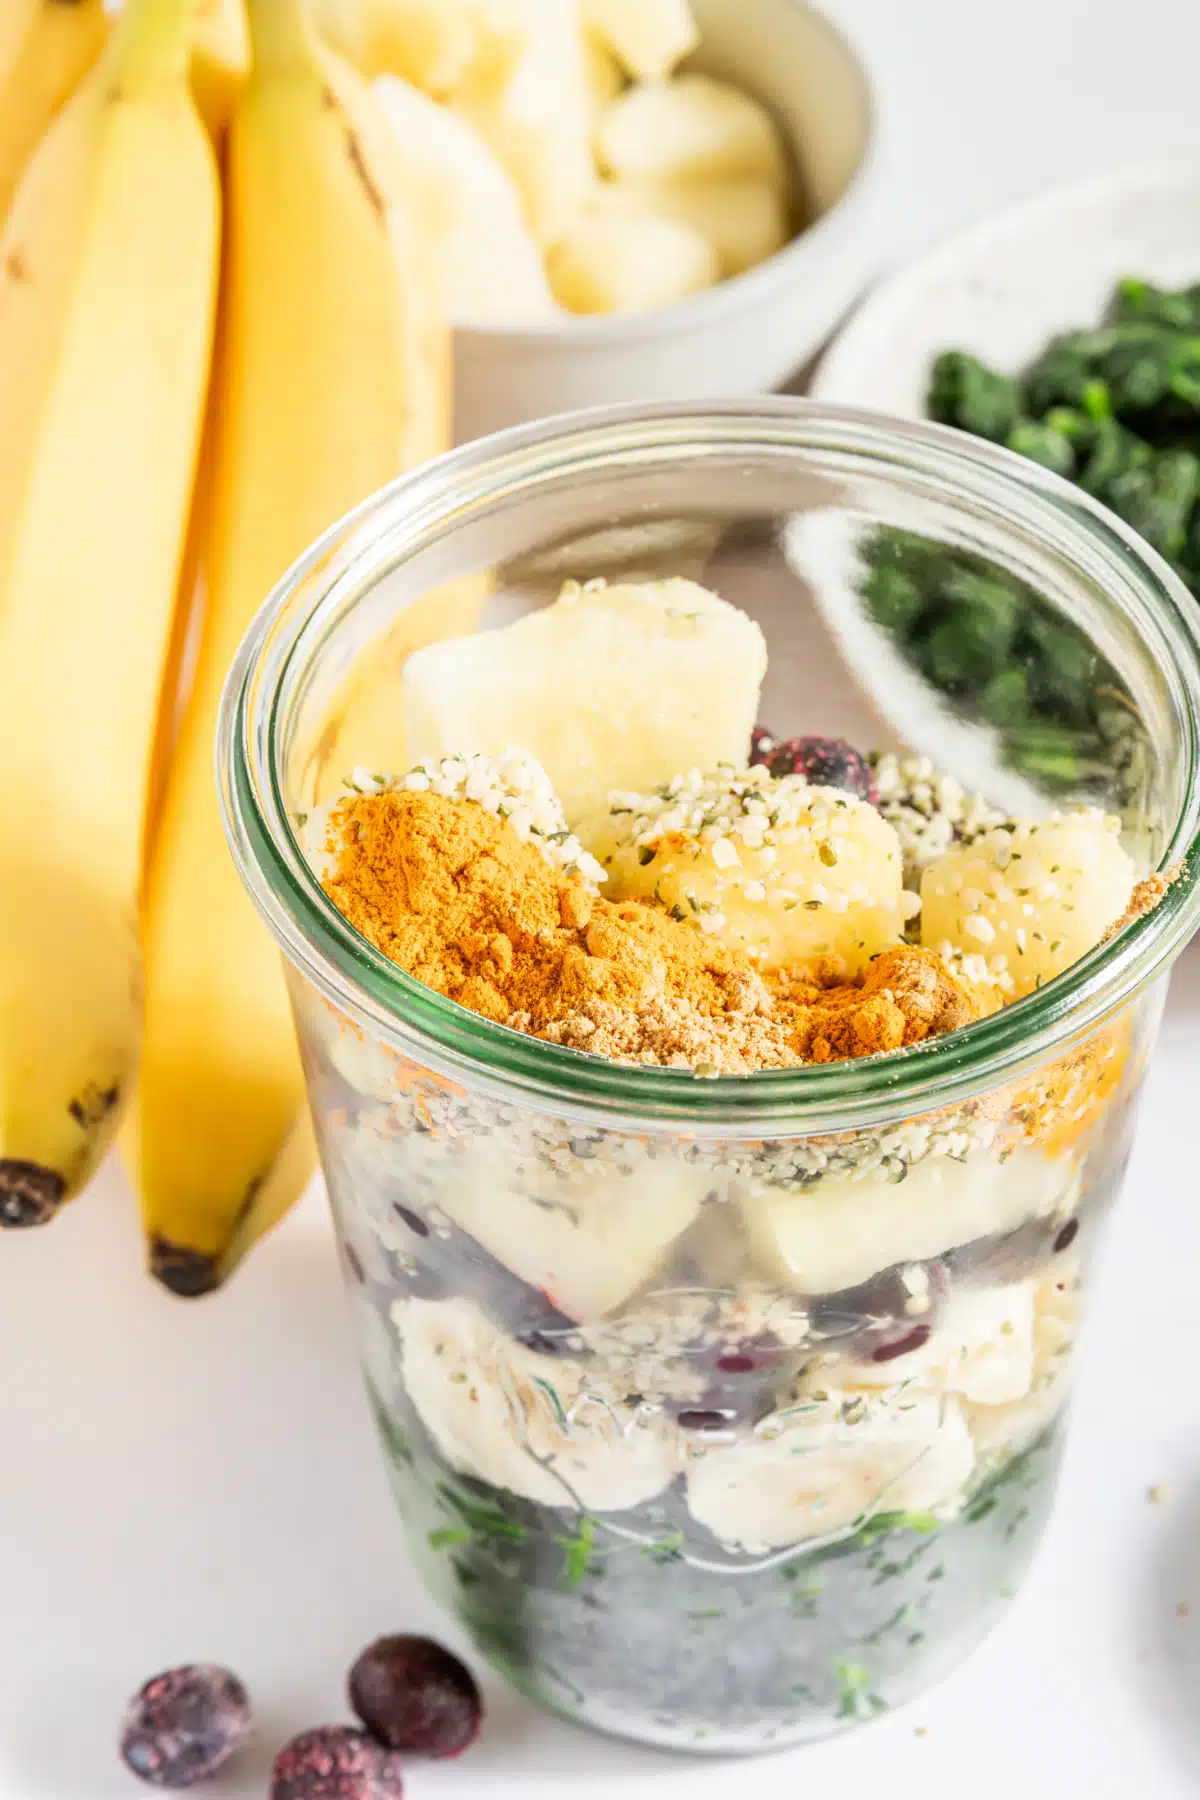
586	1243
813	1470
611	264
647	36
692	128
526	1422
839	1231
782	870
745	218
1031	898
610	687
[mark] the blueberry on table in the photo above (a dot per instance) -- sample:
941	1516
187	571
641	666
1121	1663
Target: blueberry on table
336	1762
183	1724
415	1695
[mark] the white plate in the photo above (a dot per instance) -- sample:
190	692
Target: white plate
1003	287
1000	289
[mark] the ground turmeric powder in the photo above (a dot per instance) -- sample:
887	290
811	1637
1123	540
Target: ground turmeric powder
454	896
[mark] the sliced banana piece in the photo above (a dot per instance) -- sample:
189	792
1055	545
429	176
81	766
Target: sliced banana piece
838	1232
982	1349
1007	1429
1040	895
491	268
822	1466
611	686
614	264
745	219
528	1423
692	128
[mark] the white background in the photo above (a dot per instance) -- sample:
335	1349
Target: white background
199	1480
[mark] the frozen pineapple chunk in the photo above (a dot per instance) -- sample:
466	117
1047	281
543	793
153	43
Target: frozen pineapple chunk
744	219
534	109
690	129
604	78
603	264
840	1231
586	1242
1031	898
648	36
610	687
782	870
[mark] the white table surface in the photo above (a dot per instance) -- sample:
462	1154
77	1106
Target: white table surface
199	1480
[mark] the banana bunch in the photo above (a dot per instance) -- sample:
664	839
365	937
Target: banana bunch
220	328
231	233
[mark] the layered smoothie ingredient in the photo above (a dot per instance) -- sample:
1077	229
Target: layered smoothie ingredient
633	1377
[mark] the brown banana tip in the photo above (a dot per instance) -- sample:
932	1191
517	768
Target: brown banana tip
30	1194
187	1273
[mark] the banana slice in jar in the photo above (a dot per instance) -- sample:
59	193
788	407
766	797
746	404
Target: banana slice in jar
836	1233
1002	1431
827	1464
528	1423
980	1349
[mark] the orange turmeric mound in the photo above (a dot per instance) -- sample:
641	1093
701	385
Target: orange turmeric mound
453	895
904	996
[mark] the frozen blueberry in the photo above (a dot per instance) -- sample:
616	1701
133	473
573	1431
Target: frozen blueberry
826	762
414	1695
184	1723
336	1762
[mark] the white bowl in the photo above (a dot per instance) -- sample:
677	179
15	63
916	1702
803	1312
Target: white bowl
1002	288
745	335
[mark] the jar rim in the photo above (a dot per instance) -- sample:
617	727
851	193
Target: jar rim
460	1045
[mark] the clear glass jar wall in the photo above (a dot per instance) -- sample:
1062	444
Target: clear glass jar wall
723	1413
719	1441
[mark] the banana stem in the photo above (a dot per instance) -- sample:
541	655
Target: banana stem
152	42
279	35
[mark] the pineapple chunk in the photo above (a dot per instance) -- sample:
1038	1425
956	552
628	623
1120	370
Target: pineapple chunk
690	129
586	1243
782	870
618	265
648	36
604	78
842	1230
1040	896
466	199
610	687
745	219
535	111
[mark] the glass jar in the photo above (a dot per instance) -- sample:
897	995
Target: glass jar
724	1412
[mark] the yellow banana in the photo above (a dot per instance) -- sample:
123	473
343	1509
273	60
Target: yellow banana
46	48
328	384
107	278
220	59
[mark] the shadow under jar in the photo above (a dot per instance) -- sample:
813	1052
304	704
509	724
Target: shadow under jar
722	1412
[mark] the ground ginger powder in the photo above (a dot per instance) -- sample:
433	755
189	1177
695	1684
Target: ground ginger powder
452	895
